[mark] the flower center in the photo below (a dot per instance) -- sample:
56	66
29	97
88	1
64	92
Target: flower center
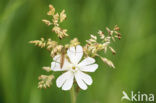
73	67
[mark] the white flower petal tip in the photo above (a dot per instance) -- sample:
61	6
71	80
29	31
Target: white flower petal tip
87	61
65	80
83	80
56	66
75	54
89	68
68	84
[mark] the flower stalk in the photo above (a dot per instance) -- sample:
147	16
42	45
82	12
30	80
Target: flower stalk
73	95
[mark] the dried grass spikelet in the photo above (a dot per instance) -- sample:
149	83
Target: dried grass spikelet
62	16
114	33
110	32
47	69
90	50
45	81
108	62
56	50
105	46
56	19
92	40
47	22
51	10
116	28
93	37
112	50
101	34
74	42
107	39
51	44
40	43
93	47
61	33
118	35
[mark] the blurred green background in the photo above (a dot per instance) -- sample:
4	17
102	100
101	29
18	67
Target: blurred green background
21	62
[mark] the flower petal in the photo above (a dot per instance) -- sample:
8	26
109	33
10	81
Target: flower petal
68	83
89	68
75	54
80	82
87	61
79	53
55	65
57	58
82	79
65	77
86	78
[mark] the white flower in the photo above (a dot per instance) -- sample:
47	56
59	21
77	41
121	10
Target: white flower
74	69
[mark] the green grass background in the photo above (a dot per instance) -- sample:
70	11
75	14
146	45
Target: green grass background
21	62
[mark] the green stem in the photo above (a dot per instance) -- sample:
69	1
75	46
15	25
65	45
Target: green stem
73	95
